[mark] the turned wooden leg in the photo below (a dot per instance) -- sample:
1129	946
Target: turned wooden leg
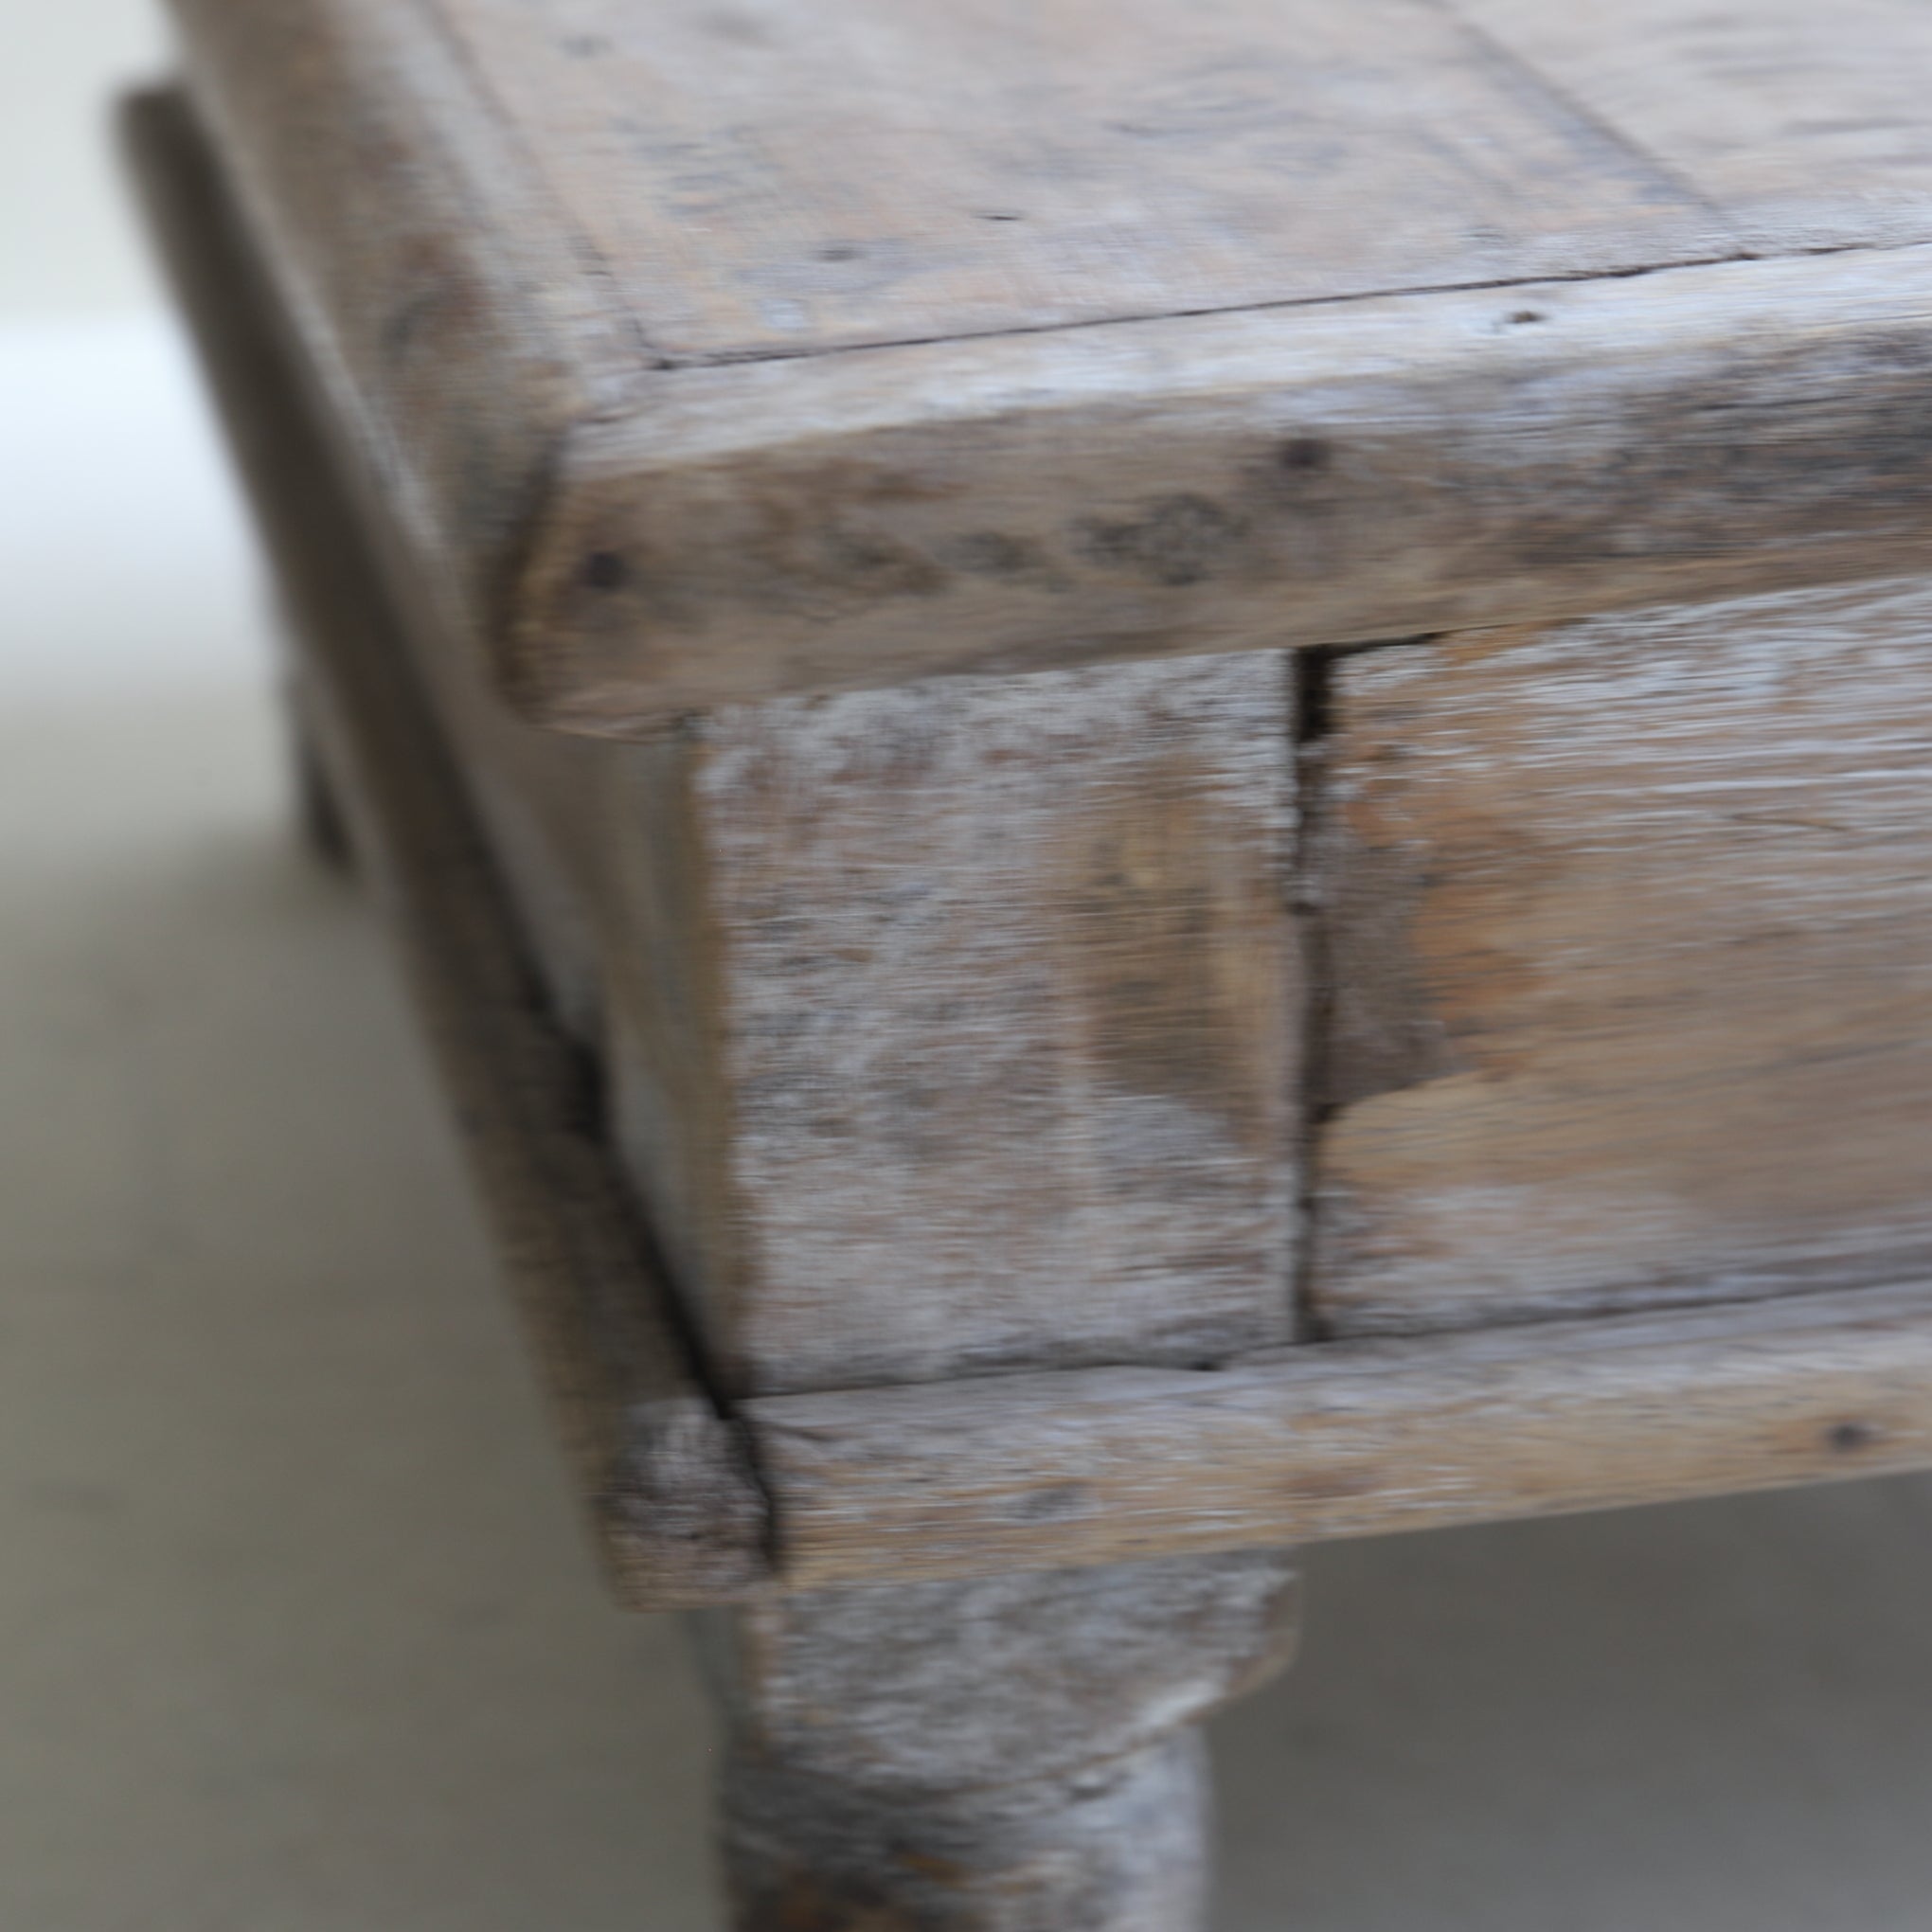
1013	1754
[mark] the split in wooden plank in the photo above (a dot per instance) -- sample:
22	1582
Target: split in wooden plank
1629	951
958	1028
681	1517
1101	1464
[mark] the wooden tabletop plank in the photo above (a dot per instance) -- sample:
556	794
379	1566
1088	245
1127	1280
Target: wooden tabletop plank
788	176
1329	473
1806	124
1317	324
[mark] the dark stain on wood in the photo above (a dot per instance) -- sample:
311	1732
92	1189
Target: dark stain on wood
1176	541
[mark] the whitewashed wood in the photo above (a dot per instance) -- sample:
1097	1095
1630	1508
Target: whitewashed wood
1105	1464
1010	1073
973	1030
1804	124
784	177
482	211
1014	1754
1345	1439
1358	471
1630	925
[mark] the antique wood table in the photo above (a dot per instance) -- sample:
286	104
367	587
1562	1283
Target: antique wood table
1162	777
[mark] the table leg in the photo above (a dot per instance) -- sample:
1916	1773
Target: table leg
1013	1754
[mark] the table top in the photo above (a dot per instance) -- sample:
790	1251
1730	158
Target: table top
724	348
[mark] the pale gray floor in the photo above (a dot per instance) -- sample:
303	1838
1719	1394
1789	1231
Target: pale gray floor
296	1629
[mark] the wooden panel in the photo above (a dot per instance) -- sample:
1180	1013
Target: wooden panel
1001	993
788	176
1345	1439
1629	938
1342	472
1804	123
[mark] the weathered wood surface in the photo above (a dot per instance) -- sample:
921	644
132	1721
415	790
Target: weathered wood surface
943	1030
1630	941
680	1516
1805	125
1316	476
958	1028
1345	1439
1014	1754
786	177
506	235
1103	1465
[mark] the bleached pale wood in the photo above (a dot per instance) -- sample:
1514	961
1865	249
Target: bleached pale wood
485	217
1345	1439
680	1517
1803	124
1325	475
942	1779
1008	964
959	1025
1630	935
944	1029
450	322
1010	1754
783	177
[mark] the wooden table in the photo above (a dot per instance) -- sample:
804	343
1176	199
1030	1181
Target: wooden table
1162	777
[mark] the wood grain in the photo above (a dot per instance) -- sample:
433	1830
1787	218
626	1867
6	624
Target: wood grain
450	322
943	1028
1345	1439
996	993
681	1519
1008	1754
1632	958
1804	125
784	177
506	232
1358	471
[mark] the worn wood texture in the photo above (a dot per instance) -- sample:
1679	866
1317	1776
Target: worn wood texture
507	234
452	325
789	176
680	1516
943	1030
1315	475
1345	1439
1629	959
1804	125
959	1025
1014	1754
1107	1464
